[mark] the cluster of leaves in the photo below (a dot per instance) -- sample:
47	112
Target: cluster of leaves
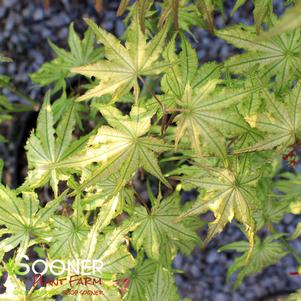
150	114
7	108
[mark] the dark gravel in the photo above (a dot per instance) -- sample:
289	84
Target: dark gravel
25	27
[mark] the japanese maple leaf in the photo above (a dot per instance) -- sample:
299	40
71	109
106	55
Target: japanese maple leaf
23	219
205	118
278	57
48	147
231	193
281	123
265	253
122	147
124	64
158	231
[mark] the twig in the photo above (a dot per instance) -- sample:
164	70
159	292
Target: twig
175	10
150	90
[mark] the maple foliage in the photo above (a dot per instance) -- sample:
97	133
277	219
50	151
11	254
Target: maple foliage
148	122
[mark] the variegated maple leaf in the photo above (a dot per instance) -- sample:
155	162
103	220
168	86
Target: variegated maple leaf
122	147
278	57
230	193
205	119
124	65
281	123
47	148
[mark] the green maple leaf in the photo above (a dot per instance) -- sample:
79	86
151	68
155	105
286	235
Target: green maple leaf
205	118
184	69
67	234
158	231
124	65
111	250
162	286
151	281
230	193
140	277
23	219
47	148
97	194
281	123
264	254
278	57
81	52
122	147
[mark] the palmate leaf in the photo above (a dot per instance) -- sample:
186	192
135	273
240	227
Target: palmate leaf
97	194
45	150
124	64
281	123
107	213
205	118
183	69
67	234
271	212
111	250
230	193
122	148
278	57
264	254
162	287
23	219
158	232
81	52
140	277
290	188
16	290
151	281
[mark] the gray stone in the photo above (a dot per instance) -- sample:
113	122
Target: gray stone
2	11
178	261
195	271
9	3
288	218
212	256
220	297
38	14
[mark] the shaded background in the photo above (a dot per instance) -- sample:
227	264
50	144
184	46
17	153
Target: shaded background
25	27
